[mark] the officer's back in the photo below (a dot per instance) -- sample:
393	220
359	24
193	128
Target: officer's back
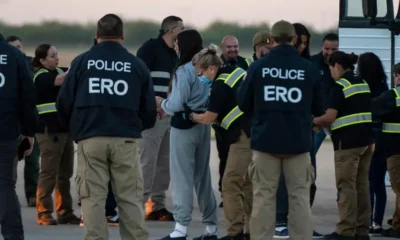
109	94
115	95
284	90
17	116
17	94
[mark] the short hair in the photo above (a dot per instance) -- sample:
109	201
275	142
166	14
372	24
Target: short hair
169	22
283	40
330	37
13	38
110	26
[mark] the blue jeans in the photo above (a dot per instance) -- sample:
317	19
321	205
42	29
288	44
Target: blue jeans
377	179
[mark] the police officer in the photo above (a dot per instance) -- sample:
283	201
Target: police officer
31	167
160	57
222	108
17	122
230	57
387	108
56	147
261	45
348	116
278	91
108	98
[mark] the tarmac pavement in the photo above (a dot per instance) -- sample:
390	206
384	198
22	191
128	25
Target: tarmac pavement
324	209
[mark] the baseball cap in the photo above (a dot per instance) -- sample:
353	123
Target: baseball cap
262	37
283	29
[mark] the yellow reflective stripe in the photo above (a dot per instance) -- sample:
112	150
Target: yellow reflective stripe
59	70
396	91
344	82
356	89
249	61
391	127
232	79
231	117
46	108
351	120
223	76
42	70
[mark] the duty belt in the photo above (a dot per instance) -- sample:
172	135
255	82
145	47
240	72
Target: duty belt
46	107
231	80
393	127
350	90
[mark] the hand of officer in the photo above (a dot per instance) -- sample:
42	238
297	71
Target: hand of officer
161	114
315	128
158	101
197	117
31	141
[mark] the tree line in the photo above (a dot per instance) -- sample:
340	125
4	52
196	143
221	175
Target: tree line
136	33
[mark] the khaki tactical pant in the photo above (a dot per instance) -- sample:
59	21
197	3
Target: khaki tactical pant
105	159
393	166
352	182
299	175
56	170
236	187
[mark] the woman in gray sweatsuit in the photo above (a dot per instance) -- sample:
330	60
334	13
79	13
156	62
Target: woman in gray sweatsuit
189	142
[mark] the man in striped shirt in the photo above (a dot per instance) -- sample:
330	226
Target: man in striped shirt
160	57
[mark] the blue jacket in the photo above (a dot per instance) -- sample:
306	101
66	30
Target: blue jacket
107	92
280	93
17	94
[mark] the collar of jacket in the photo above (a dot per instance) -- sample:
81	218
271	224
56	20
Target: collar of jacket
1	37
231	61
286	49
255	57
321	60
350	76
164	44
108	44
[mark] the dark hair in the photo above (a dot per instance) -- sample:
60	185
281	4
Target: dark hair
189	43
13	38
41	52
330	37
370	68
110	26
347	61
302	30
169	22
396	68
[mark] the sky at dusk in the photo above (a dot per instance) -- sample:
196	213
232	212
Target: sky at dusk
322	14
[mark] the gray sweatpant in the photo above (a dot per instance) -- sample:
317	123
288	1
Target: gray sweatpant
190	167
154	160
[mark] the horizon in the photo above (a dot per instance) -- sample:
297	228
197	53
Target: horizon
322	16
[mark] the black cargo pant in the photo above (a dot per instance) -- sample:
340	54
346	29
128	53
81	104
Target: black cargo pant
10	208
223	151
